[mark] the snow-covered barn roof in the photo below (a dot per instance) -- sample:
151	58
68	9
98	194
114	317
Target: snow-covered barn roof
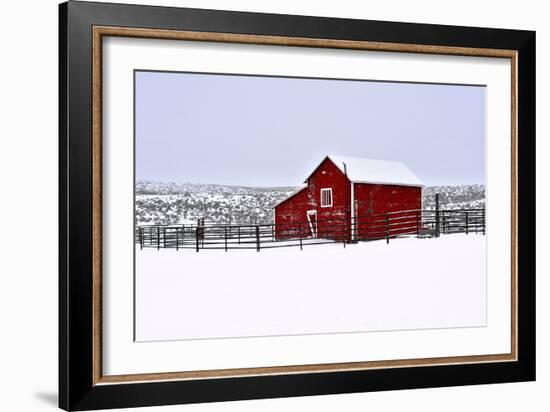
362	170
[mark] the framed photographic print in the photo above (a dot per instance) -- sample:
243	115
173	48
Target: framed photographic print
257	205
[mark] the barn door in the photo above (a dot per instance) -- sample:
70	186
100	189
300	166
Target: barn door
312	221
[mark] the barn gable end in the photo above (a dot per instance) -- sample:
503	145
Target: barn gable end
330	218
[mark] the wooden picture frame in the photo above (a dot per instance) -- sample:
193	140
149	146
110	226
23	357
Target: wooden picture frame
82	385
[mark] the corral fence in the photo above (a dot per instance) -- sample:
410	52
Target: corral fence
419	223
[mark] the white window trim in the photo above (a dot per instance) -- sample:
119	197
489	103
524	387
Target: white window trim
329	189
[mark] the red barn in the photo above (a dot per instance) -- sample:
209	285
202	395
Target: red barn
344	198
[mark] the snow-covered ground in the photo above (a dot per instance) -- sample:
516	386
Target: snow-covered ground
408	284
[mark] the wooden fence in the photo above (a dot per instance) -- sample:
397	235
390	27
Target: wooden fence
420	223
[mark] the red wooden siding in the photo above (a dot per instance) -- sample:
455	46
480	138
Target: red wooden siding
376	200
290	214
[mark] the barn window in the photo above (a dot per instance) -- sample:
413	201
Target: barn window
326	197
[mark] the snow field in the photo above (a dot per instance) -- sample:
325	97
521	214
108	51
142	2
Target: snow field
409	284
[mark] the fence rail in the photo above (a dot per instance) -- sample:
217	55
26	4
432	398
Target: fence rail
420	223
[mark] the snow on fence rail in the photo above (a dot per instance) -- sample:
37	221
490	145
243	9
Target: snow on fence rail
421	223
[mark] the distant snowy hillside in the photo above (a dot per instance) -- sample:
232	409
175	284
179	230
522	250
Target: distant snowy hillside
171	203
454	197
184	203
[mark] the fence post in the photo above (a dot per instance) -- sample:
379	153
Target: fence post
183	232
203	235
140	238
417	223
257	238
466	222
437	227
387	229
158	238
177	238
225	237
300	235
483	220
164	237
239	234
343	232
197	237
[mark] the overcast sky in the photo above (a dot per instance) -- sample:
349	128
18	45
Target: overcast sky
269	131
